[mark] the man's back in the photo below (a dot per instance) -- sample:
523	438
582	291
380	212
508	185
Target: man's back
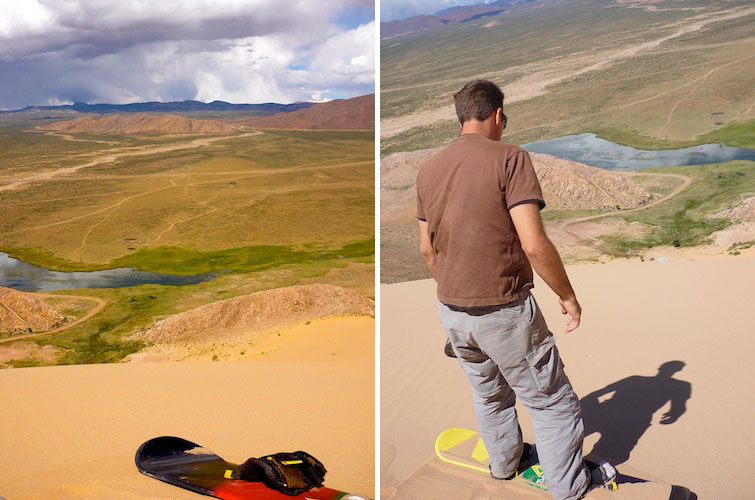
465	193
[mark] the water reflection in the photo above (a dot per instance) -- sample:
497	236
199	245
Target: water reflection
592	150
28	278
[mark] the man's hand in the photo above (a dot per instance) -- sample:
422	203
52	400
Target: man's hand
545	259
574	310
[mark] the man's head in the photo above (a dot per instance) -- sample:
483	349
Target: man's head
479	104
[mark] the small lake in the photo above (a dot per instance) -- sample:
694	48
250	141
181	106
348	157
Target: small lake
28	278
592	150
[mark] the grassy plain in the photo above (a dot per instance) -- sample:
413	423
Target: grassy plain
675	76
269	210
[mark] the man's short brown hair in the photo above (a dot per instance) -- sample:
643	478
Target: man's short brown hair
477	100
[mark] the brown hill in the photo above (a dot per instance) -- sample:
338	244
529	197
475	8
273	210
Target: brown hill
20	312
139	124
454	15
414	24
357	113
566	184
259	312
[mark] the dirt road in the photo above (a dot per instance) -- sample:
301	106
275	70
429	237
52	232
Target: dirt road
563	226
117	153
100	303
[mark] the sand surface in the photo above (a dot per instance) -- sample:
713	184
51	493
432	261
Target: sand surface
637	316
72	431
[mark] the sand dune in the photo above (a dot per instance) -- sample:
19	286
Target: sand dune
637	316
72	431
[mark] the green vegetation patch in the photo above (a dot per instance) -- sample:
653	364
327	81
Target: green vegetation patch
737	135
735	248
187	261
689	218
183	261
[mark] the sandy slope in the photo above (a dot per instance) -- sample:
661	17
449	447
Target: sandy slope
637	316
71	432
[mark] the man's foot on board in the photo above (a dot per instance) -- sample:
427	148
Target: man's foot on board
601	474
527	460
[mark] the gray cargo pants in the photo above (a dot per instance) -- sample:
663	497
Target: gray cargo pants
507	351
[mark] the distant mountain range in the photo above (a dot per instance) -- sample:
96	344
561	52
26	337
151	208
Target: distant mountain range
453	15
357	113
171	107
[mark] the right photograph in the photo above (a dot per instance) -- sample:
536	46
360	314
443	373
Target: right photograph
567	248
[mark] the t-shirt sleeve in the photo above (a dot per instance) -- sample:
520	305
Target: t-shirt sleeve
522	185
420	209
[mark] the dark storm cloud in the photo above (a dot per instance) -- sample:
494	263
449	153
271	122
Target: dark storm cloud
110	51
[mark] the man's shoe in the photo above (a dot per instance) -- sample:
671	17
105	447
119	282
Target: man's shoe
527	460
602	473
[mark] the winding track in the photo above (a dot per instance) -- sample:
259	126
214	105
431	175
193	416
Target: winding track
118	153
564	225
96	309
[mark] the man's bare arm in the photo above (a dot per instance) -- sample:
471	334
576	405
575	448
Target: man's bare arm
545	259
426	247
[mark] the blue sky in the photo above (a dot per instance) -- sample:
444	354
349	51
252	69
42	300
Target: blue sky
63	51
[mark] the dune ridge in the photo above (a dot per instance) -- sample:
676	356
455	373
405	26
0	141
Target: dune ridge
140	124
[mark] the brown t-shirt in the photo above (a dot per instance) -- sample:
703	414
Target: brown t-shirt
464	193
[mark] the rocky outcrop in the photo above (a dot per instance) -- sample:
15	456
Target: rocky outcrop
257	312
565	184
24	312
744	211
568	184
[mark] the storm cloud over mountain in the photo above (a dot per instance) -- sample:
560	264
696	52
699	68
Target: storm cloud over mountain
64	51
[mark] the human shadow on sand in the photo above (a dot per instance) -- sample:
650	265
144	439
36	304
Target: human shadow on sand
622	419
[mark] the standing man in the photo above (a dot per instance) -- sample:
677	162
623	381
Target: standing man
478	205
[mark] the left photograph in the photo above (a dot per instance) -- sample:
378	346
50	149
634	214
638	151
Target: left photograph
187	249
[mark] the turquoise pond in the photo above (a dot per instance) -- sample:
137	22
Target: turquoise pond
28	278
592	150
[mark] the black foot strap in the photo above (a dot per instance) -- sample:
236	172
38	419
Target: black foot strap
290	473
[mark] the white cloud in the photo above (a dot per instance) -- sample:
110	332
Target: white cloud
347	55
138	50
